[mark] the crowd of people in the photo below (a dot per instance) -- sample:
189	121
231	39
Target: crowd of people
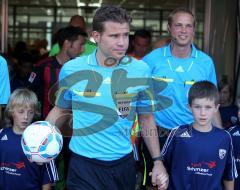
101	94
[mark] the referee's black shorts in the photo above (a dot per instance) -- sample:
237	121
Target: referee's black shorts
91	174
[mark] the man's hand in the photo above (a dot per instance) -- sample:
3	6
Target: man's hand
159	175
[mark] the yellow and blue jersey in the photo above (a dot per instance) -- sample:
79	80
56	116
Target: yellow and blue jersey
4	78
179	74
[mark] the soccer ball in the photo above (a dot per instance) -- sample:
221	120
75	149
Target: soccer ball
41	142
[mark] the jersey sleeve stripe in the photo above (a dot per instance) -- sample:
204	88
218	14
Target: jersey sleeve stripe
168	141
234	168
52	172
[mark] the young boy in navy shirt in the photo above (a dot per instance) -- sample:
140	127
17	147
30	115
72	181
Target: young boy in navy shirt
199	156
16	171
235	133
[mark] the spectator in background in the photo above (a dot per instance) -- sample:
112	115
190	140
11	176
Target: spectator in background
39	49
20	47
162	42
70	40
76	21
228	110
42	46
141	43
24	68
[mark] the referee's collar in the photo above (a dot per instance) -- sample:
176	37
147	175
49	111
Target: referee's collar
167	51
92	60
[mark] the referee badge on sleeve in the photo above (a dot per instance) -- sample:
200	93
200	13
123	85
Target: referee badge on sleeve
123	103
123	108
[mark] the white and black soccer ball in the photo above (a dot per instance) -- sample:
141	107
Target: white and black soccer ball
41	142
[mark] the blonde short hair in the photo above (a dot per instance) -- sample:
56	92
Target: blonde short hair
180	10
20	98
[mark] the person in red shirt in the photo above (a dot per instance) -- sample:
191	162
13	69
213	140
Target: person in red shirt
71	41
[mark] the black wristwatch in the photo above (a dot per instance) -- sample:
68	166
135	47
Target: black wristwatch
158	158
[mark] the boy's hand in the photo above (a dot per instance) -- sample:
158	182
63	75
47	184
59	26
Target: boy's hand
159	176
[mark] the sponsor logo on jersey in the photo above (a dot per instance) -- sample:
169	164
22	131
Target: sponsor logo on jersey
19	165
185	135
222	153
236	133
180	69
202	168
12	168
32	77
4	138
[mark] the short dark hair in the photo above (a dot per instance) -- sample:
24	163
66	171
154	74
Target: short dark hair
203	89
69	33
109	13
223	83
143	33
78	21
180	10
